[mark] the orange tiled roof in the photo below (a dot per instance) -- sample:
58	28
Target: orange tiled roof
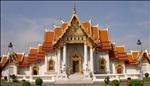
32	54
25	63
104	39
4	61
64	25
87	27
57	33
118	53
20	57
131	60
17	58
48	36
121	53
95	34
33	51
135	54
41	53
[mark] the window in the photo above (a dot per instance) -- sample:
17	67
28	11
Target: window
119	69
51	65
102	65
35	70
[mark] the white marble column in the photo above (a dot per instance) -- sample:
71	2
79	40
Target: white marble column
85	58
91	59
64	57
58	56
86	72
46	63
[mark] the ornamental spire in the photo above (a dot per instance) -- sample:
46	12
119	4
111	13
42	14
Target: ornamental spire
74	9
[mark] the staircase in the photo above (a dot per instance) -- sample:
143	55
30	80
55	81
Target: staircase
74	80
76	76
94	84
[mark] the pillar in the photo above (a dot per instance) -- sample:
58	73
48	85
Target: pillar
91	59
85	58
64	58
58	56
46	63
86	72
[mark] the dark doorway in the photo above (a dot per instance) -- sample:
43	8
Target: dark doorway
75	66
34	72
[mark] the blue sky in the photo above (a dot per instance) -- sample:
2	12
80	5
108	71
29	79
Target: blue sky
24	22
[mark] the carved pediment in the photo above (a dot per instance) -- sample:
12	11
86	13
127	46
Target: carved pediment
75	28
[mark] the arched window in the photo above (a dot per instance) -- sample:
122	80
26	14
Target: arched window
35	70
102	65
119	69
51	65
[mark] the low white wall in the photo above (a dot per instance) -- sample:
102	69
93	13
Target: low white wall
132	69
24	71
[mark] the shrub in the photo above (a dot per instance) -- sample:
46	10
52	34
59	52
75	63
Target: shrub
129	78
23	80
38	81
135	83
25	83
13	77
106	80
146	75
5	77
115	83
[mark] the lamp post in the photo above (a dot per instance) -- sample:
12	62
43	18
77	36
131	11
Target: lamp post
10	46
141	71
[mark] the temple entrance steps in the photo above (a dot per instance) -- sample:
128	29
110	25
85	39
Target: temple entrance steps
81	84
76	78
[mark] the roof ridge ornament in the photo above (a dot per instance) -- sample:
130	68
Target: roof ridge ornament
74	9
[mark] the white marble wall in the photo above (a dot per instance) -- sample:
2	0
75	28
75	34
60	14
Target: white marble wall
50	56
132	69
146	68
24	71
10	68
104	55
113	67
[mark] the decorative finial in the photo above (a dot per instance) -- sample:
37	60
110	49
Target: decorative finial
74	9
90	20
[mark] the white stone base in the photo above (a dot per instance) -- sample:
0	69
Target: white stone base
62	76
87	76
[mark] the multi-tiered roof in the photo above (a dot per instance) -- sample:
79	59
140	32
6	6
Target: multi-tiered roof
99	36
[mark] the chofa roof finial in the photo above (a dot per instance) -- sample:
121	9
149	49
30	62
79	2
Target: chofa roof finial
74	9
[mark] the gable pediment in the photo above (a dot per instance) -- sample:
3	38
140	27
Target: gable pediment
75	29
74	33
143	56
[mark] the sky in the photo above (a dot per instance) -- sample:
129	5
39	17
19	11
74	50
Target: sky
24	22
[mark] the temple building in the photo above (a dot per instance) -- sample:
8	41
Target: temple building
76	50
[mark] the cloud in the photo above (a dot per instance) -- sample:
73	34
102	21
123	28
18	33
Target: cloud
23	32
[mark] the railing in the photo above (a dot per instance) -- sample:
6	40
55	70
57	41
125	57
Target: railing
101	77
31	78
